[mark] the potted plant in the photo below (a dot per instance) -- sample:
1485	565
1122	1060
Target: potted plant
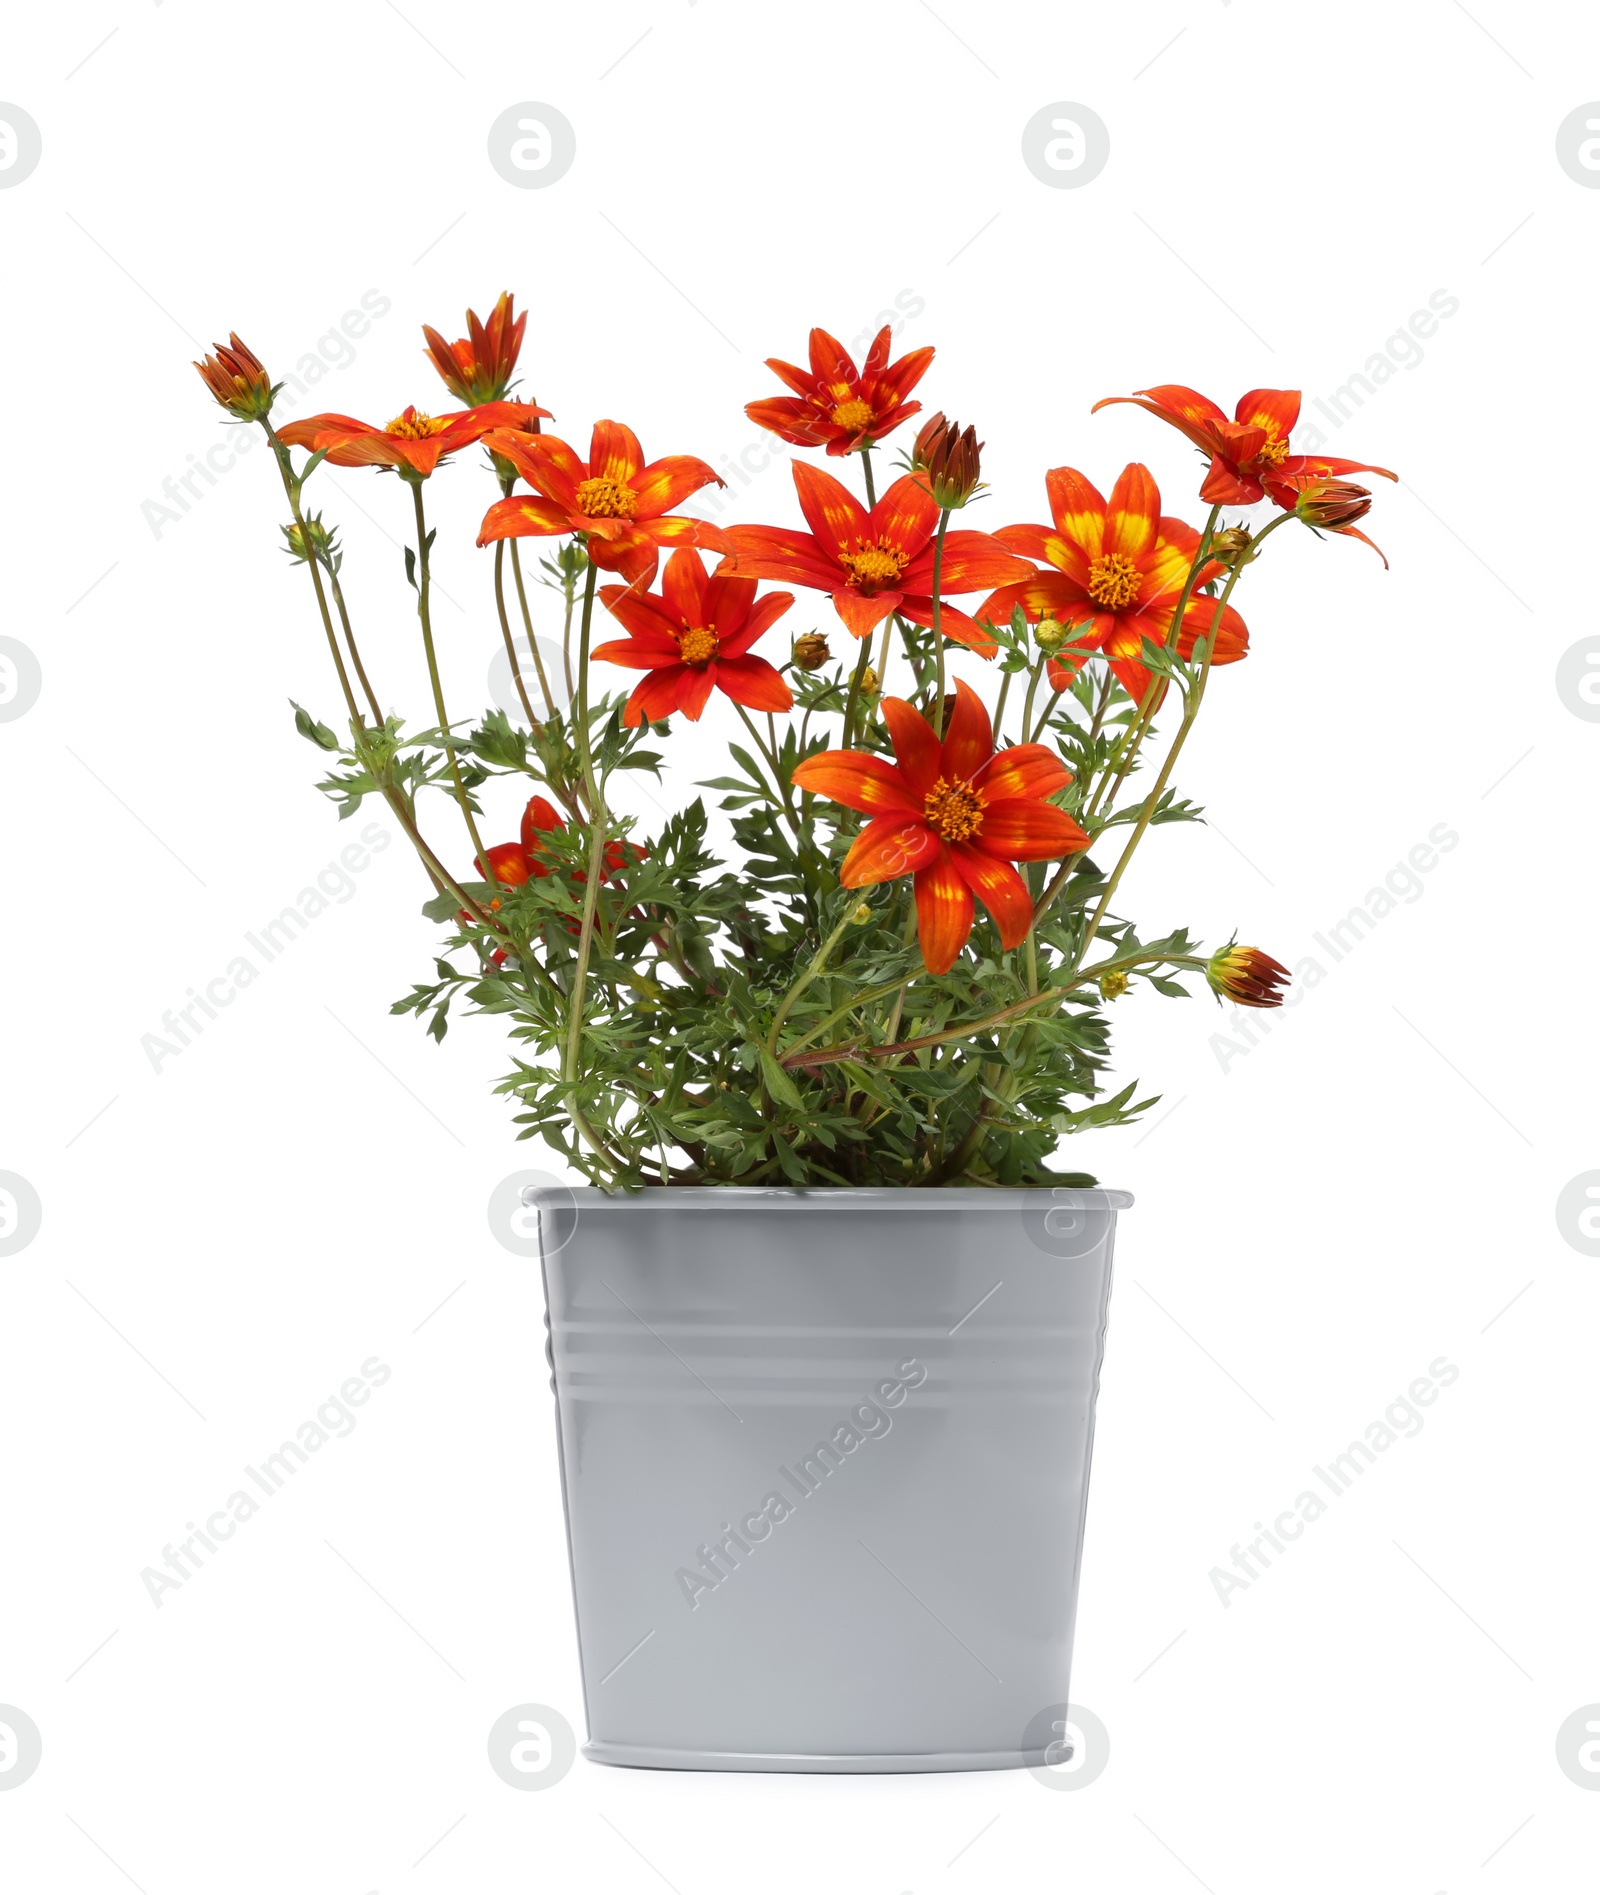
825	1324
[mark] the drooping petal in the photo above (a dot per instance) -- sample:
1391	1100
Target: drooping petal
859	781
631	553
667	483
751	681
832	512
1000	888
1078	509
655	696
1225	486
968	736
544	461
887	847
1324	466
1022	829
694	689
1023	770
615	453
944	913
917	748
1045	595
952	624
863	615
1201	620
1191	414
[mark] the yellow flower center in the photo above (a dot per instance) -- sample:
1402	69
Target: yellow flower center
1114	581
955	810
852	415
414	425
871	567
603	498
1276	450
697	645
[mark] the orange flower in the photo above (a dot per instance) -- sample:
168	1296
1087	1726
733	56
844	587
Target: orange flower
237	381
695	634
477	369
513	863
1250	454
413	443
1332	506
955	815
836	407
873	563
1115	574
620	505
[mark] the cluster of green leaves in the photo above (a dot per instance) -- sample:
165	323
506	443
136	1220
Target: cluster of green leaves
718	1042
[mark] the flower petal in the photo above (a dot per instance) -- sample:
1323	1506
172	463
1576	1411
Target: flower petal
1045	595
779	552
667	483
523	516
695	690
971	561
944	913
1022	829
890	846
858	781
1000	888
683	588
655	696
832	512
1199	618
640	615
614	453
1023	770
638	654
761	617
1274	409
1132	513
952	624
905	518
544	461
863	615
752	682
917	749
968	736
1078	509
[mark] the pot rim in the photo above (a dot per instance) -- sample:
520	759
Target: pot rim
697	1197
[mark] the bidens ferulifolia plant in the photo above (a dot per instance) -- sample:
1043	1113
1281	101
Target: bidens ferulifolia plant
903	979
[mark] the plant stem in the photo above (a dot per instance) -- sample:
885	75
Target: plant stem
533	643
505	631
597	842
424	617
866	474
819	960
938	635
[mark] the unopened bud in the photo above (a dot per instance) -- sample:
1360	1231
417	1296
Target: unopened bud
237	381
869	682
811	651
1050	635
950	459
310	540
1332	503
1246	976
1230	544
860	915
1113	985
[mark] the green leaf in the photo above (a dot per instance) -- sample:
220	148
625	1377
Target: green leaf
317	733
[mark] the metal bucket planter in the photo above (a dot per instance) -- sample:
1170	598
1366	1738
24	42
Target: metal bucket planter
825	1457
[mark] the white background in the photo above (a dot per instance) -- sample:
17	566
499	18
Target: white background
226	1239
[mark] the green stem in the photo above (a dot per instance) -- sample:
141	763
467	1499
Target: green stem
533	643
425	619
866	474
938	635
819	960
505	631
597	840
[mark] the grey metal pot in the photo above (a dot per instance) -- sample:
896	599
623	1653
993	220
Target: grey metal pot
826	1460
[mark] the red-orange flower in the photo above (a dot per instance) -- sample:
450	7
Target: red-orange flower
1249	455
510	864
478	368
621	505
954	815
695	634
1332	506
871	564
1115	575
835	406
237	381
413	443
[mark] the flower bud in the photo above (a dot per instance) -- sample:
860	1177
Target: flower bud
313	541
1332	503
811	651
478	368
1050	635
928	437
1230	544
869	682
1113	985
951	464
861	914
1246	976
237	381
